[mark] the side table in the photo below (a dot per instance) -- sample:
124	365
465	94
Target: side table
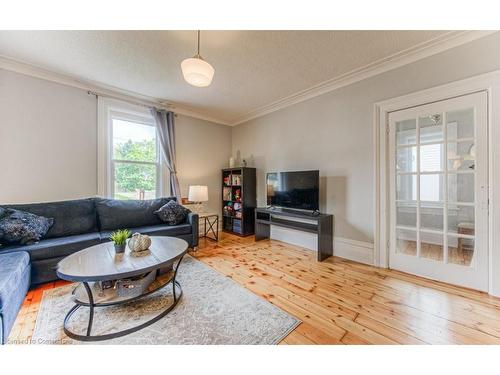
210	225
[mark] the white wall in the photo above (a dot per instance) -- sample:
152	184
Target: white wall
203	149
334	133
48	144
48	140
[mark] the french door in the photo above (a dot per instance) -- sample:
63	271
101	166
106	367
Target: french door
438	159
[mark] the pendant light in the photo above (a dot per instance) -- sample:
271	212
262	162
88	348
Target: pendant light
196	71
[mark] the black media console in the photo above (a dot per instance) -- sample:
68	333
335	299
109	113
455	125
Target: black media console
319	224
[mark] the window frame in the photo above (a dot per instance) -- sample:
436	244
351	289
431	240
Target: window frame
109	110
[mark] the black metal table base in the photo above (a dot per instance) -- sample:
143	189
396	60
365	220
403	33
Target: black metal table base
211	224
177	294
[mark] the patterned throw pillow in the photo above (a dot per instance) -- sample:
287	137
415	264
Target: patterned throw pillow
173	213
24	228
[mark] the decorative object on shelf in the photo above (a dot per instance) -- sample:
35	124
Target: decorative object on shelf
244	163
236	179
227	181
119	238
237	195
231	162
134	286
198	194
196	71
139	245
237	210
227	194
228	209
102	286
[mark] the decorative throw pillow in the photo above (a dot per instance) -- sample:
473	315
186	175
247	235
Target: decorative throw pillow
24	228
172	213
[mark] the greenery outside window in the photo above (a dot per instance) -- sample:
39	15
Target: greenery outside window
135	157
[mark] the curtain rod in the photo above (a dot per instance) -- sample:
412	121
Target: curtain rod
137	102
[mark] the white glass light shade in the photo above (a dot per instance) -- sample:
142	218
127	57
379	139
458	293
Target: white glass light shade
198	193
197	72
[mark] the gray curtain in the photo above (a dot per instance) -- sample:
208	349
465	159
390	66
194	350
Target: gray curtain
164	121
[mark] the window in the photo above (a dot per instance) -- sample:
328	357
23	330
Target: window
431	166
135	166
130	163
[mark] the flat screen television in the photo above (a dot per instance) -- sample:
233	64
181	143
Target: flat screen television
298	190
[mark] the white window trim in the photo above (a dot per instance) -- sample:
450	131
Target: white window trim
107	109
490	83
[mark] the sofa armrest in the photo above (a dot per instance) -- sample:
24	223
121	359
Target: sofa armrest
193	220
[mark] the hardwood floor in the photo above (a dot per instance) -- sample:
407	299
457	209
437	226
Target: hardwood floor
338	301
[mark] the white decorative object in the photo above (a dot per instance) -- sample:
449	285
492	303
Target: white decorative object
139	242
231	162
196	71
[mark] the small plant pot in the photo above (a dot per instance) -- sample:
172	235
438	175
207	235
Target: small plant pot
119	249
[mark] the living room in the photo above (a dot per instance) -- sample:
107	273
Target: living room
289	184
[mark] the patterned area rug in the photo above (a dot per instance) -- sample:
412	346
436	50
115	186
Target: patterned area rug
213	310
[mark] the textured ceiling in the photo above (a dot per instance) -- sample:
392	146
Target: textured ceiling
252	68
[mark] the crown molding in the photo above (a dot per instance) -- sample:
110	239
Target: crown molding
434	46
101	89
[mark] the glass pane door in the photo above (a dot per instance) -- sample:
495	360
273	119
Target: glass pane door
438	159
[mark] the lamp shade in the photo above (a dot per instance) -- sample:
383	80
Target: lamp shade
197	72
198	193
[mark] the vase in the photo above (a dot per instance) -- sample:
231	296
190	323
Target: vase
119	249
139	242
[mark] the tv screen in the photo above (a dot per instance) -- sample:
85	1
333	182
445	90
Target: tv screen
298	190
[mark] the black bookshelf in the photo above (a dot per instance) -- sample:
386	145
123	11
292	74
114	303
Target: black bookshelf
239	199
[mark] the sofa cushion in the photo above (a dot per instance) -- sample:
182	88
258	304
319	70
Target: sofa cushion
12	266
56	247
70	217
20	227
120	214
173	213
155	230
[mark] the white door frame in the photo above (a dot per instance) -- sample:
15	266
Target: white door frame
490	83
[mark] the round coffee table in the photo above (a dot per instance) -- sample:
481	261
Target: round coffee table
100	263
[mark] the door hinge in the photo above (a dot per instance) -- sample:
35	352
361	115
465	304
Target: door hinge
388	245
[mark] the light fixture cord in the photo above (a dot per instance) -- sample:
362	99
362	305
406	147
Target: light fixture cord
198	53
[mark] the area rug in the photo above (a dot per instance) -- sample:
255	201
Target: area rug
213	310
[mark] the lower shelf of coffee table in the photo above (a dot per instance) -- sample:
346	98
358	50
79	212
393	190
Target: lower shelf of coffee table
110	296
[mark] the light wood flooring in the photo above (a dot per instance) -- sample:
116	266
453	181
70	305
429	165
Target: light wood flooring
338	301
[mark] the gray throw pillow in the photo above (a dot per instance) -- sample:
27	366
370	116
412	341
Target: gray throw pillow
172	213
20	227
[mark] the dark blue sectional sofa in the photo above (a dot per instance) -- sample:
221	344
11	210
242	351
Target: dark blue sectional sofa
77	224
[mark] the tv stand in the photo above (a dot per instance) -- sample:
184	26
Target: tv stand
322	226
293	211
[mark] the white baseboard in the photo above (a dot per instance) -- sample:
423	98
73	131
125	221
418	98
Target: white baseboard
357	251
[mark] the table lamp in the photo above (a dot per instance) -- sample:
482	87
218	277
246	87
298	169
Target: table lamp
198	194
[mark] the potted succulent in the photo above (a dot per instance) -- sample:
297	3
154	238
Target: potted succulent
119	237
